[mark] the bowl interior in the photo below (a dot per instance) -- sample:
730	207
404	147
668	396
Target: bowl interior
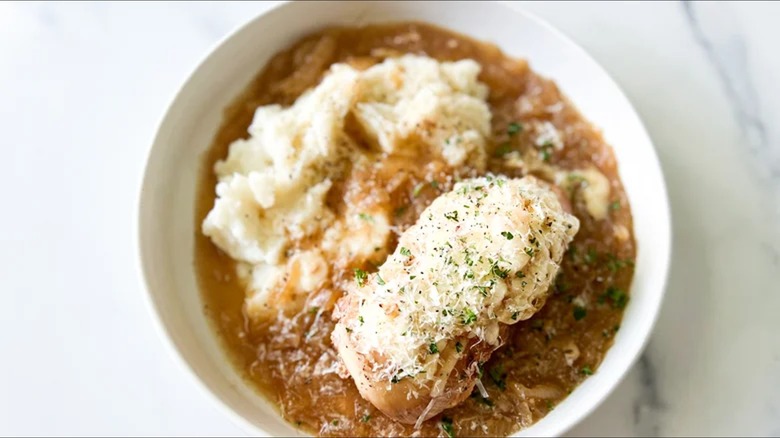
167	198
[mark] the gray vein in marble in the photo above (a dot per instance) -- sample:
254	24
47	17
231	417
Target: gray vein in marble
729	58
648	405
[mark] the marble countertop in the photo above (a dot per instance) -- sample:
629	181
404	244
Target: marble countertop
83	85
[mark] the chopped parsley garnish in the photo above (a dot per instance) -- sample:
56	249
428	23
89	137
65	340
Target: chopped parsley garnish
546	151
469	316
405	251
618	298
458	347
314	310
550	405
433	348
435	184
586	371
508	235
614	263
360	277
530	251
579	313
500	182
520	274
366	217
360	318
503	149
478	397
515	315
400	210
379	280
483	290
446	426
418	189
335	422
499	271
560	284
365	418
590	256
615	205
453	215
412	277
514	128
498	376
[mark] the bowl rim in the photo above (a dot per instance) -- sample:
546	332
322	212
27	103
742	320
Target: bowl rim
164	333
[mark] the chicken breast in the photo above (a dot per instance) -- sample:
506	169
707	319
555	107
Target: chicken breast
480	258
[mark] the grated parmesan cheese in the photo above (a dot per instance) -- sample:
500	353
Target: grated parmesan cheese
480	255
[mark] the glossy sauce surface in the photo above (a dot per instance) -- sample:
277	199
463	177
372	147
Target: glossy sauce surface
291	359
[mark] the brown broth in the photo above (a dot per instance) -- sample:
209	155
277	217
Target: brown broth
545	357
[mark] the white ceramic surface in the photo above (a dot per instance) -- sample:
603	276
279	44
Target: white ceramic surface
166	204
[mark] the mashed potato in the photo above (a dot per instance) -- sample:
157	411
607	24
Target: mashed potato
273	186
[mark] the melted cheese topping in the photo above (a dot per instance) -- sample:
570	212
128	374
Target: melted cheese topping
483	254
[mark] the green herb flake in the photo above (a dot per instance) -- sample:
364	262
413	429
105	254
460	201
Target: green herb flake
435	184
453	215
417	189
550	405
498	376
335	422
590	256
529	251
458	347
366	217
433	348
469	316
614	264
514	128
478	397
379	280
586	371
503	149
618	298
579	313
366	418
614	206
446	426
499	271
520	274
360	277
515	315
405	251
546	151
314	310
507	235
400	210
360	318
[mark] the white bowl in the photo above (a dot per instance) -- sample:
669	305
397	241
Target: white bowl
167	197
